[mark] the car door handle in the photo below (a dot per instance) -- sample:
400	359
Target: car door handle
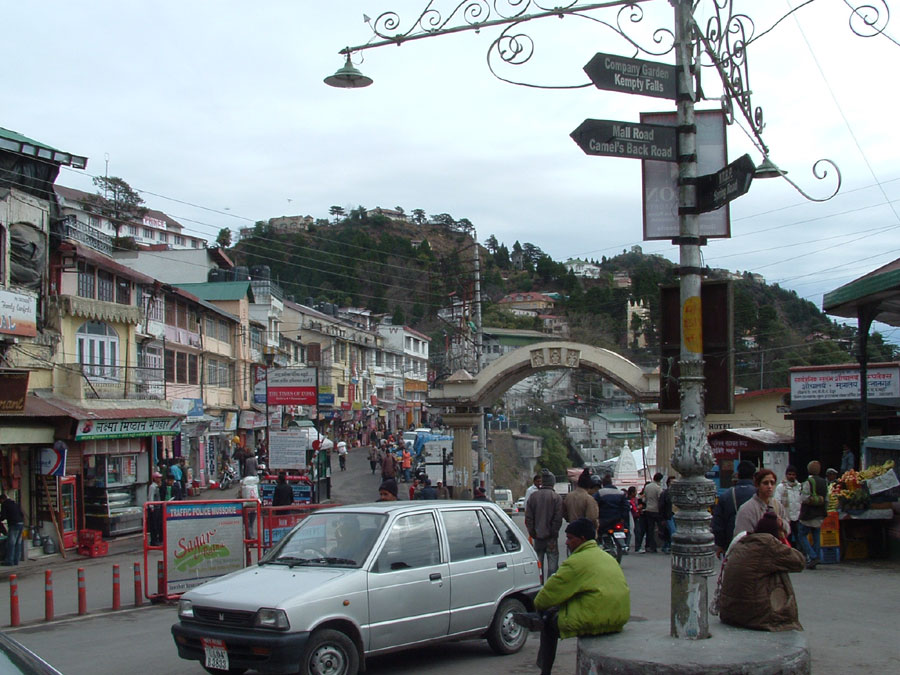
501	565
435	576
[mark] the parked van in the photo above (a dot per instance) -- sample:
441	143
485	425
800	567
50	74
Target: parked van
504	499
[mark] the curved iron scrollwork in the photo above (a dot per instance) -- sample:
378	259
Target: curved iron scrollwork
870	18
820	172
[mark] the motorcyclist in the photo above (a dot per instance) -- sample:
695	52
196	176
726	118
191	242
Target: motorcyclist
612	504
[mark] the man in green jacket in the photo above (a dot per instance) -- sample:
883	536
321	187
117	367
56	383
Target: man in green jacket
588	595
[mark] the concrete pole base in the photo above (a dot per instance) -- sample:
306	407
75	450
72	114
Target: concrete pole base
645	648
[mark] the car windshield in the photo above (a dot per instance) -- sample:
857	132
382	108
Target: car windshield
336	539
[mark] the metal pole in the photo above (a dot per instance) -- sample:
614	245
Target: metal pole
479	341
692	543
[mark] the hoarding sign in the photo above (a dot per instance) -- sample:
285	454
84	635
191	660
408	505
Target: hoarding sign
813	387
291	386
13	390
18	314
52	461
89	430
287	449
204	540
259	385
660	179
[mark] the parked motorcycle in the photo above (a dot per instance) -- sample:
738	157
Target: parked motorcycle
229	476
614	540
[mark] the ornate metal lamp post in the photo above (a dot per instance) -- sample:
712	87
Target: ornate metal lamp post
721	44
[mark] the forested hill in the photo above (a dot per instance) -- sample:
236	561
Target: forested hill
411	269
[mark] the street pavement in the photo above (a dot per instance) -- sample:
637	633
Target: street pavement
847	609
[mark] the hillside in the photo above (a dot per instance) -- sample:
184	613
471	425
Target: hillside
410	270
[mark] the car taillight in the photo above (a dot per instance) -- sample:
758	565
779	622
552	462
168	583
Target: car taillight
619	526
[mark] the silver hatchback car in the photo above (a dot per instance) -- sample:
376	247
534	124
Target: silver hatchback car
355	581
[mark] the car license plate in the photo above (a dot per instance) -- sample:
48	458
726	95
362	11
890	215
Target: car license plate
618	535
216	655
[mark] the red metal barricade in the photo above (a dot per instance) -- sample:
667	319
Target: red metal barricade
279	520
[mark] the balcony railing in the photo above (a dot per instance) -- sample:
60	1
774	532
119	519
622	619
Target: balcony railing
263	289
121	382
90	236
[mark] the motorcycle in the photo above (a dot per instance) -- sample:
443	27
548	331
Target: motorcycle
613	540
229	476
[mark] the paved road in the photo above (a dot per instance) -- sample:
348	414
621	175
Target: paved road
848	611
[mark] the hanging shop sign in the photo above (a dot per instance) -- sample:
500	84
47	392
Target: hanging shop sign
133	427
18	314
326	399
191	408
259	385
291	386
52	461
13	390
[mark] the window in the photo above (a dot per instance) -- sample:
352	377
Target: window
466	535
132	230
105	288
170	311
179	240
162	236
255	338
86	279
224	332
194	243
193	369
181	367
153	358
212	372
98	349
181	315
412	542
224	374
170	365
123	291
341	391
94	221
148	233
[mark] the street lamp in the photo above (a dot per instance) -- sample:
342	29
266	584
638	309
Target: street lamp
348	77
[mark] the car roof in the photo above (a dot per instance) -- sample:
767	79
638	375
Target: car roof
417	505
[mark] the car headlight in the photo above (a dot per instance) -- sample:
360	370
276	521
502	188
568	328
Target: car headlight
271	618
185	609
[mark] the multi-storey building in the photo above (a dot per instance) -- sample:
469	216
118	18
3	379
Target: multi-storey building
91	228
413	346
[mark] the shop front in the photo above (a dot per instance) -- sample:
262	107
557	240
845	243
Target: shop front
762	447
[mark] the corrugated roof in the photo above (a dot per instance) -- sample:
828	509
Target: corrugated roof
879	288
13	141
758	434
221	291
36	406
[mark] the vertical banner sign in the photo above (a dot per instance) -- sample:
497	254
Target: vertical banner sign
204	540
660	179
692	325
259	385
291	386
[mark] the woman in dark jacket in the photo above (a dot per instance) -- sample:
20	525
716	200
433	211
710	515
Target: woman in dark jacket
756	590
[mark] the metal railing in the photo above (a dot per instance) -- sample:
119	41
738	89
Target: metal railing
121	382
84	233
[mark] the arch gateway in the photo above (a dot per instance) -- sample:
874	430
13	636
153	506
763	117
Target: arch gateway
464	393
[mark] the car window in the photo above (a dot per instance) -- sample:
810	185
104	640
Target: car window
412	542
510	540
470	535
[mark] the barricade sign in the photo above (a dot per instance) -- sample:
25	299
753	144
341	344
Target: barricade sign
202	540
279	520
302	493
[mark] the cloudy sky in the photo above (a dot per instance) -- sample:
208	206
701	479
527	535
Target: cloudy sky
218	114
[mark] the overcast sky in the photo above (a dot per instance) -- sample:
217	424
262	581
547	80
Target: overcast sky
218	114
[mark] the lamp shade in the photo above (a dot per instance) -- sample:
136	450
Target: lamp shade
768	169
348	77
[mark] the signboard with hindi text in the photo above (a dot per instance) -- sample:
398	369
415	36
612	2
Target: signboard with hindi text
135	427
815	386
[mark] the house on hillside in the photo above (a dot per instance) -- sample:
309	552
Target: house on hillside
582	268
527	303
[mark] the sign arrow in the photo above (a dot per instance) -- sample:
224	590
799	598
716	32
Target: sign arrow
715	190
632	76
627	139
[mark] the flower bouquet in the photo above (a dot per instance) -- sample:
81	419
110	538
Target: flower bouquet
851	491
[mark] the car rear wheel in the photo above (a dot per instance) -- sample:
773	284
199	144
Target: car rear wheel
329	652
505	636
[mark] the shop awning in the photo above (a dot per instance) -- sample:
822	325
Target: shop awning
879	289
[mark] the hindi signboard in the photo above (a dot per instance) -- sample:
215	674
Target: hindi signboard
815	386
291	386
611	138
660	179
632	76
134	427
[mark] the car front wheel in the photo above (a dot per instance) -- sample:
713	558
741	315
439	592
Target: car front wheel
505	636
329	652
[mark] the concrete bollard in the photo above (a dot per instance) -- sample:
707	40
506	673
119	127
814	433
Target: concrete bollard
82	593
117	596
13	600
137	585
48	595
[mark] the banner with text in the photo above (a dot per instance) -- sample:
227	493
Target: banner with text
814	387
291	386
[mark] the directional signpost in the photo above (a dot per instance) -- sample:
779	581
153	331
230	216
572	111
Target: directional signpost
632	76
627	139
715	190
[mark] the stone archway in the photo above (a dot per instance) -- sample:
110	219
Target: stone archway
464	393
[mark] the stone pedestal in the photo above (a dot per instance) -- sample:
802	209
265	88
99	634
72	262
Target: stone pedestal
646	648
462	424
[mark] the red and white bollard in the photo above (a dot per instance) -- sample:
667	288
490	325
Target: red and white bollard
138	592
48	595
117	595
82	593
160	578
13	600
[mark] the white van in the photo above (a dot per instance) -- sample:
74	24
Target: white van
504	499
